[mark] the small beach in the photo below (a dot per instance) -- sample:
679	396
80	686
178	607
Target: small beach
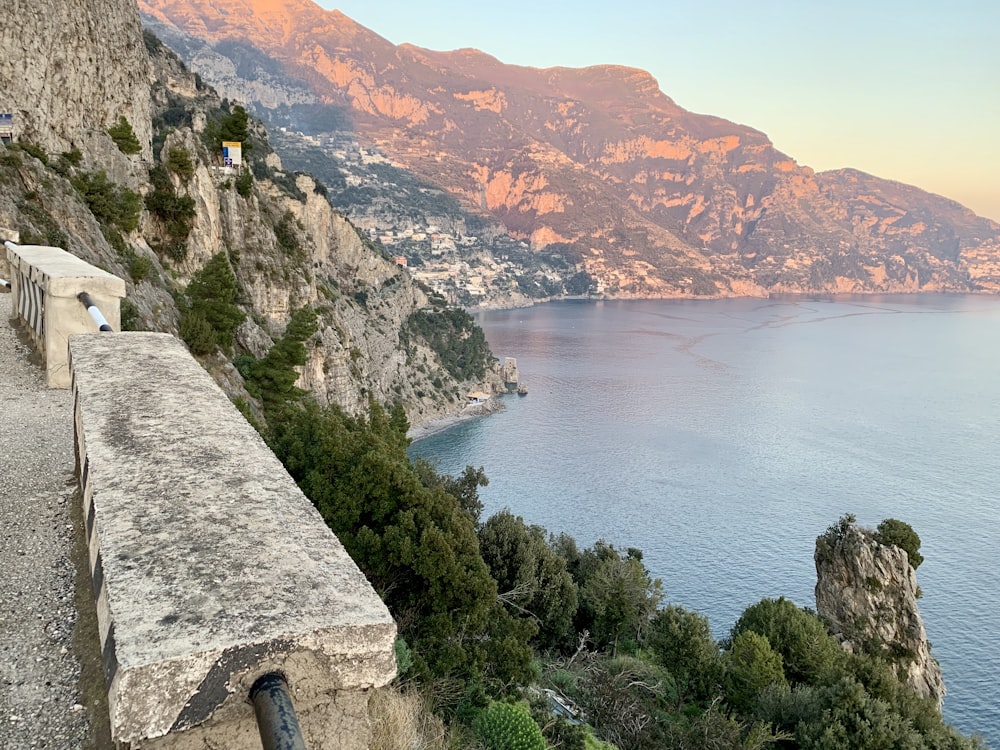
470	411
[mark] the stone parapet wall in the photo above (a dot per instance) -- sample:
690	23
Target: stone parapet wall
210	567
45	282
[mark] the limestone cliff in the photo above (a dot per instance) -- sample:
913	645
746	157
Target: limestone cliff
290	249
71	69
157	221
867	592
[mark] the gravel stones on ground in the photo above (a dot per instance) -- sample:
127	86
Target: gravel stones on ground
40	699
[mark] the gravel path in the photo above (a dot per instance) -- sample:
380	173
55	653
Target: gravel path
40	701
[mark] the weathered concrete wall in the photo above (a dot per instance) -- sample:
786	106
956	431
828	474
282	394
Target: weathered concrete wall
210	568
45	282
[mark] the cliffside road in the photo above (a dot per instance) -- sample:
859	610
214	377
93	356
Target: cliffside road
40	701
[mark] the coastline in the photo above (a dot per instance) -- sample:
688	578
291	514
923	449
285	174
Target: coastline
470	411
770	295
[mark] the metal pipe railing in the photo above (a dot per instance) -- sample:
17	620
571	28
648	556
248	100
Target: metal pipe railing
276	720
95	313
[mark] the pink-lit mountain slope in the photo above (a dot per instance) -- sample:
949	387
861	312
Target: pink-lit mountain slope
652	200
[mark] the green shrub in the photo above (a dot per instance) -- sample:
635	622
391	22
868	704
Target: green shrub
112	205
222	126
272	379
175	211
404	657
682	643
752	666
209	316
900	534
176	251
197	332
244	365
10	157
179	162
503	726
72	158
124	137
288	240
809	653
286	183
244	183
44	229
521	560
129	315
139	267
35	150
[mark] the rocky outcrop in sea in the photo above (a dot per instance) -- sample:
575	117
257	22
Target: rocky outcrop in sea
867	592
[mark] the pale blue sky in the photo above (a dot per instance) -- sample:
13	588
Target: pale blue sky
908	91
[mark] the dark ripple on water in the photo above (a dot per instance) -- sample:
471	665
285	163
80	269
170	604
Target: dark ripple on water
723	437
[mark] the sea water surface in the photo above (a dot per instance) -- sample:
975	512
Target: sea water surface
722	437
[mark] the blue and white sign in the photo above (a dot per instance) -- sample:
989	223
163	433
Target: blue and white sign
232	153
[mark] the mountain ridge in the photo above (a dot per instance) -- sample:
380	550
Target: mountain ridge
647	198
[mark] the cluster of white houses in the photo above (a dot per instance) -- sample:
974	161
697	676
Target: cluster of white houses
459	267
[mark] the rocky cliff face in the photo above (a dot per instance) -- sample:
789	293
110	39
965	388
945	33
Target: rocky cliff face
290	249
867	592
70	70
286	245
648	198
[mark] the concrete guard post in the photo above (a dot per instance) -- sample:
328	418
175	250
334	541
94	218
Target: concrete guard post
44	284
210	567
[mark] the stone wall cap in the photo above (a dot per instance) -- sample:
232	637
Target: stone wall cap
209	552
63	274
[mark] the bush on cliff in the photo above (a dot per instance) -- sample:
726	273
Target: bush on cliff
454	336
681	641
209	315
618	597
901	534
531	576
415	543
808	652
272	379
111	204
176	212
124	137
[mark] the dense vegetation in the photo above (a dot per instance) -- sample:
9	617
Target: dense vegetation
495	616
454	336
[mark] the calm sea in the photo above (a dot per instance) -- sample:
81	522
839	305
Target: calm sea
722	437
